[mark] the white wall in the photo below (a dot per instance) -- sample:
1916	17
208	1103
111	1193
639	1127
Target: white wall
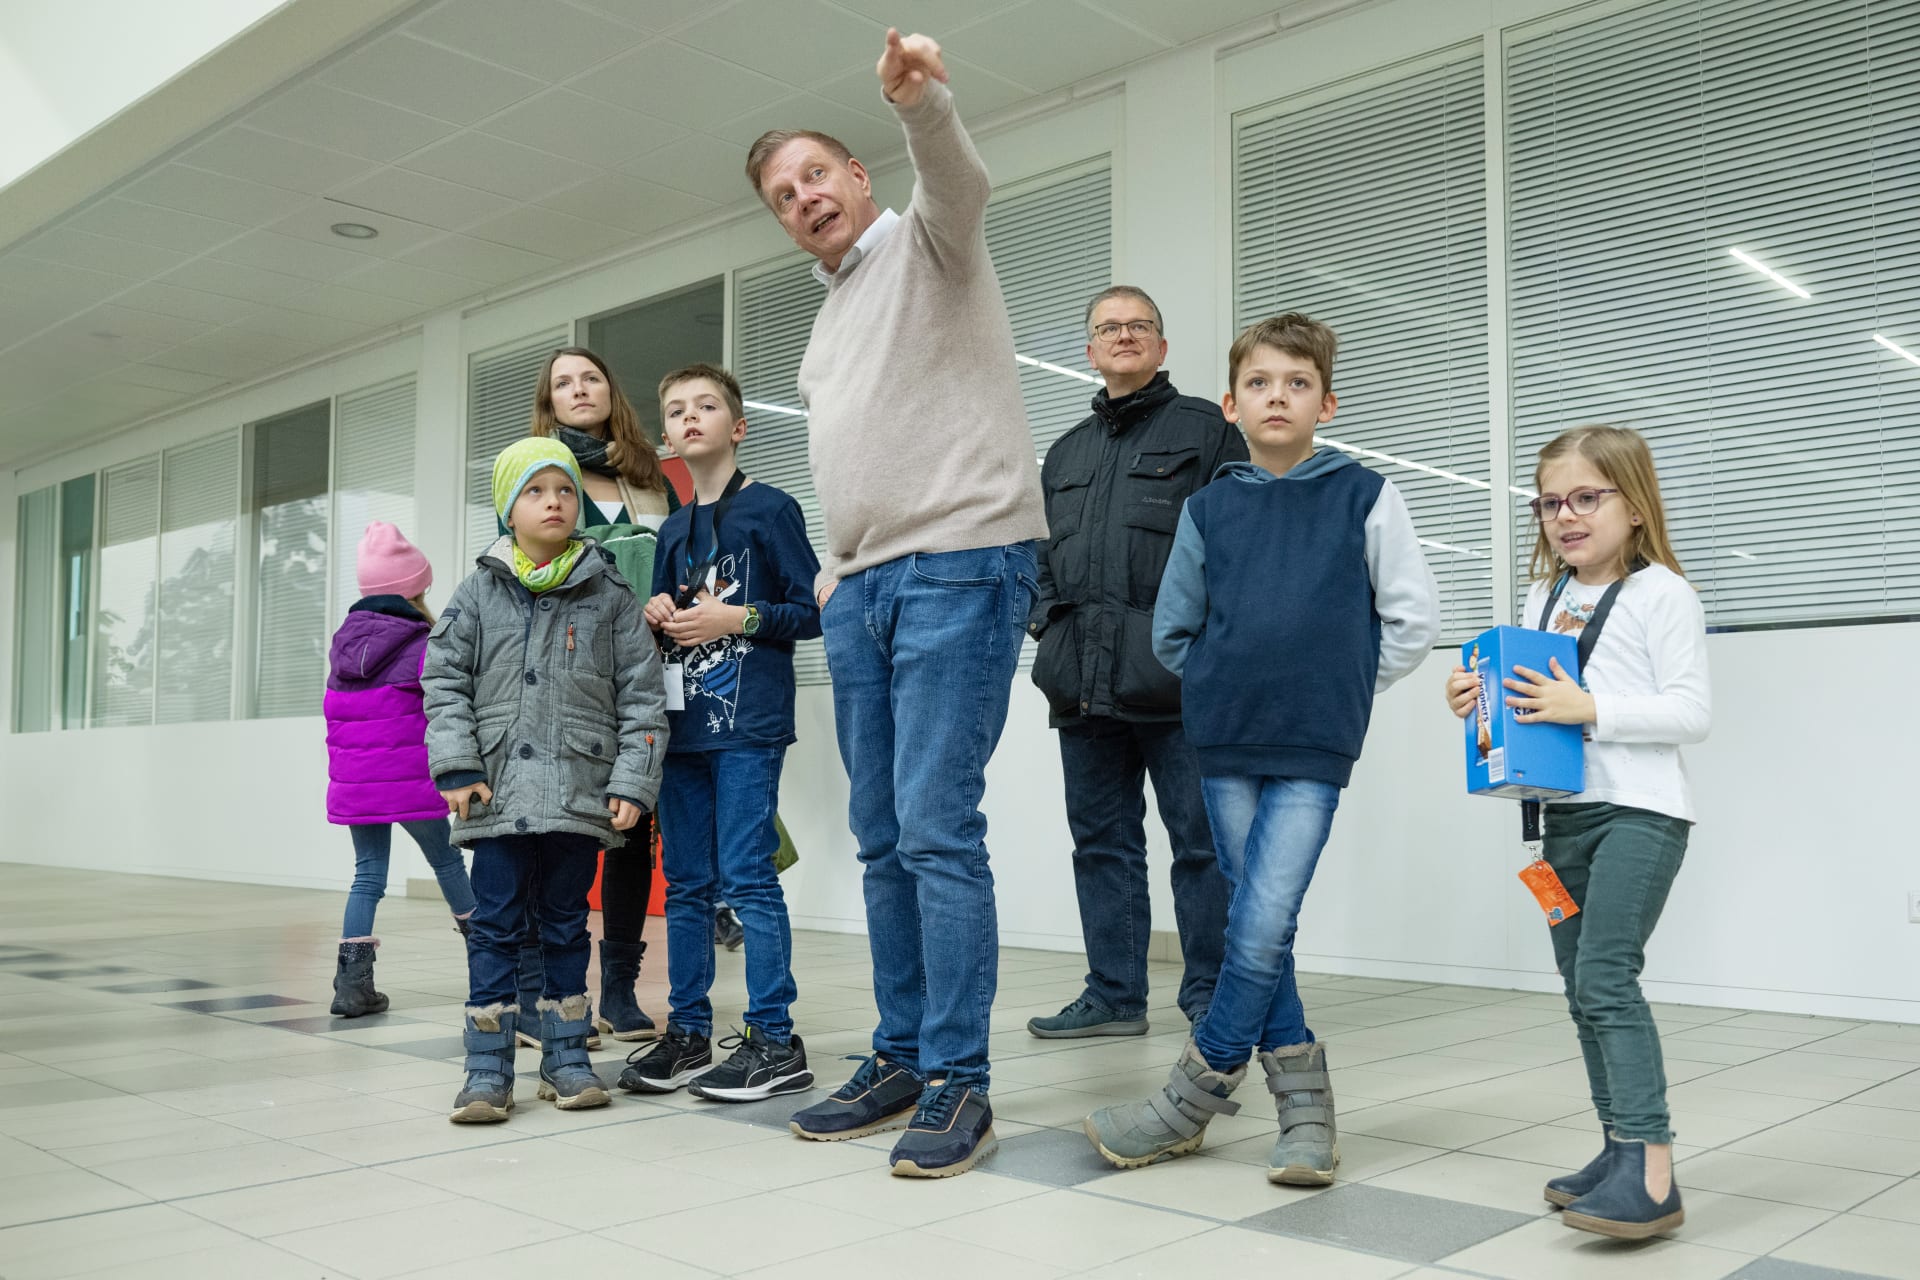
1794	892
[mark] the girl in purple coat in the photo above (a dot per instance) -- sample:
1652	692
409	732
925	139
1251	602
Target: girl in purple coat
377	751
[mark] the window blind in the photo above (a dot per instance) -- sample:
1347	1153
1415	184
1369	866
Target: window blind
500	386
1366	209
1051	242
289	500
199	504
124	613
372	477
1646	147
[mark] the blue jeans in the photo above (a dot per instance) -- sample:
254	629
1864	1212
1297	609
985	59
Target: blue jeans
1106	763
553	873
922	650
716	817
1618	864
1269	832
372	846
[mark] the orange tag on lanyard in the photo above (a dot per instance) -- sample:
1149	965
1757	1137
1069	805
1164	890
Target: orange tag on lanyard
1544	884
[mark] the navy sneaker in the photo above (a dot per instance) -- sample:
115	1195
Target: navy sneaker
1085	1018
952	1128
880	1095
758	1068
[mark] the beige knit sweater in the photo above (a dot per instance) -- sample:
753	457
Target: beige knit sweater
918	436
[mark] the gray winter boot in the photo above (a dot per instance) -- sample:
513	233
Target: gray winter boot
566	1072
1173	1122
487	1096
353	993
1309	1145
532	980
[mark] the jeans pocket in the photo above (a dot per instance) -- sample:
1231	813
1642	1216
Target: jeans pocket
975	567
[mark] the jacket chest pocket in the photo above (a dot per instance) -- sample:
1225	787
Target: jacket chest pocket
1067	503
1154	488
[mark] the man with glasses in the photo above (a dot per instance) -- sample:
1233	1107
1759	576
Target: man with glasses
1114	487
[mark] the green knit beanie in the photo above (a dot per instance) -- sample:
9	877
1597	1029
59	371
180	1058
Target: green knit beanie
520	462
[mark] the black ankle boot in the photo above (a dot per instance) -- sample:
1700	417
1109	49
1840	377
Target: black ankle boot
353	993
620	1013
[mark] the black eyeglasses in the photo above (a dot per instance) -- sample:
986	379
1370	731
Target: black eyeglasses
1582	502
1110	331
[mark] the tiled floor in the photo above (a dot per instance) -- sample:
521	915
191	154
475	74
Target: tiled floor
174	1100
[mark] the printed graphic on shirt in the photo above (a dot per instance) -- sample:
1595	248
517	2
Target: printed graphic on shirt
713	669
1573	616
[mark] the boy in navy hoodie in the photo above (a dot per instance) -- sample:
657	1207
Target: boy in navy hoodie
1296	591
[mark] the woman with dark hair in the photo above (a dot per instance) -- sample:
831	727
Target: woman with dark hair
578	402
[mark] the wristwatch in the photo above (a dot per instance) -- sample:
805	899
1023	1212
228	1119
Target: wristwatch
751	623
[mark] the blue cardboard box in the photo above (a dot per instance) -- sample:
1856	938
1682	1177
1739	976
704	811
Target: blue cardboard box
1506	756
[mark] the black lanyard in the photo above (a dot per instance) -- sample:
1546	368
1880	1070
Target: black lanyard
697	572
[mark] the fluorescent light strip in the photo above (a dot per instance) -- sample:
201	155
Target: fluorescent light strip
1769	273
1454	476
1743	555
1895	347
764	407
1059	369
1448	546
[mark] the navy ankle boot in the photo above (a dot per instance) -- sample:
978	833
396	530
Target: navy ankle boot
1568	1187
1620	1206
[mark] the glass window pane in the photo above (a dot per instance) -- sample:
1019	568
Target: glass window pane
373	476
76	596
33	616
199	504
125	621
288	500
644	343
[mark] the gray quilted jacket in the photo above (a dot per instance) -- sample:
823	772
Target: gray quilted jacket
557	700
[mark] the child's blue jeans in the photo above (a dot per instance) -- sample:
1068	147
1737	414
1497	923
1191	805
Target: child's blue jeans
1268	833
553	871
716	824
372	847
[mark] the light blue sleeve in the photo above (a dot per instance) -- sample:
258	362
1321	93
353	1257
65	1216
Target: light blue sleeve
1181	608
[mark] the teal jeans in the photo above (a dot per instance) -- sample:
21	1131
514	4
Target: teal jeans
1617	864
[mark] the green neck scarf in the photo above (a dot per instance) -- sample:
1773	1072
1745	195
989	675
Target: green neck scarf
544	577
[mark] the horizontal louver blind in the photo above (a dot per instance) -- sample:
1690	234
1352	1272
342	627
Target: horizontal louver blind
34	618
291	455
199	506
130	538
1051	243
372	477
773	311
500	386
1647	145
1367	211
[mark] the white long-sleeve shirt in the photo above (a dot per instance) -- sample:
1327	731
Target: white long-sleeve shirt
1648	678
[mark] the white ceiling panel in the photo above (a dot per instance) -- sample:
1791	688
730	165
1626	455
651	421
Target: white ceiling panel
679	84
566	123
151	224
24	277
213	195
480	260
410	73
101	253
240	152
937	18
346	122
539	230
496	165
1047	44
218	356
190	304
648	15
980	92
302	326
543	38
233	280
865	136
432	202
117	398
1180	23
798	41
178	381
635	206
291	255
351	304
410	283
860	90
699	164
315	222
142	326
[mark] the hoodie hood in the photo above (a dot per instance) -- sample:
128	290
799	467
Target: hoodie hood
1319	463
375	647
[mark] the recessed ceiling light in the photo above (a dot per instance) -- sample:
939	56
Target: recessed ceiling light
355	230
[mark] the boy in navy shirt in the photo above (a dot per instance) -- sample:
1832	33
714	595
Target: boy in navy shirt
732	592
1296	591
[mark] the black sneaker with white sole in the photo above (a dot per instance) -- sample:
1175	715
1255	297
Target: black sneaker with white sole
758	1068
667	1063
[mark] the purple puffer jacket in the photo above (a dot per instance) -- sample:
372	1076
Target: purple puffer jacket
376	717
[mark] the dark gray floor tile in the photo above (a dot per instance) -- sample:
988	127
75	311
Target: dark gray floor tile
442	1047
158	985
1782	1269
319	1025
1396	1223
773	1112
1057	1157
35	957
227	1004
67	975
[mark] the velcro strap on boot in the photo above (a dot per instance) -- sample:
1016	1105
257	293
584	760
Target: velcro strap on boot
564	1053
477	1041
1291	1115
491	1064
1179	1082
1284	1082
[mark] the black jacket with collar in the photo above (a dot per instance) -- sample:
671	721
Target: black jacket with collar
1114	487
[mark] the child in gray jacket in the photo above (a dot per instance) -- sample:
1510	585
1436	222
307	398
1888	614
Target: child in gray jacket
547	725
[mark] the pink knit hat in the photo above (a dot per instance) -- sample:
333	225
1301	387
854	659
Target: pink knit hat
389	565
